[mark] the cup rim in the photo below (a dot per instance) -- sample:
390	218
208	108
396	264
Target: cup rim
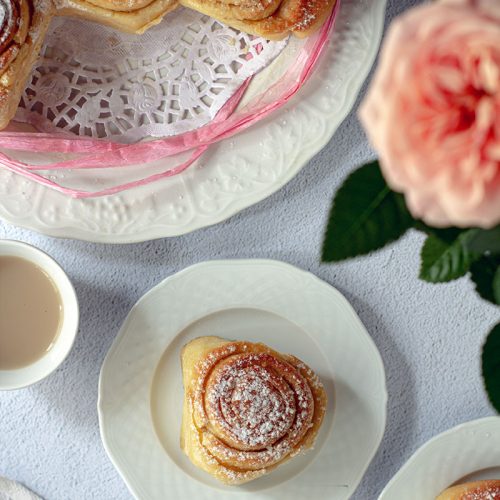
32	373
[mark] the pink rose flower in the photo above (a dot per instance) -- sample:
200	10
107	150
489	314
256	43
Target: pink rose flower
433	111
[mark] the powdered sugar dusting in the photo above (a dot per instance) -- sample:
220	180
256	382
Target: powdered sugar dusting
254	406
489	490
8	16
258	6
305	22
308	14
252	409
313	379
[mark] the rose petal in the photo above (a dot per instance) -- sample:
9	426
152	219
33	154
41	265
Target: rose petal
432	111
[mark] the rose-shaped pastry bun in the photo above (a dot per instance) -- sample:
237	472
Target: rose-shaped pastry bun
247	408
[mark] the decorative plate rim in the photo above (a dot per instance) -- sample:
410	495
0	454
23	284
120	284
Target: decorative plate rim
421	452
280	267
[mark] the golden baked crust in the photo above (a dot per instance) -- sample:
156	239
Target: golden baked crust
478	490
121	5
298	17
25	23
247	408
130	16
242	10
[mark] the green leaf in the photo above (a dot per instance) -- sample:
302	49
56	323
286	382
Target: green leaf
496	286
485	273
365	216
486	240
491	366
444	261
447	234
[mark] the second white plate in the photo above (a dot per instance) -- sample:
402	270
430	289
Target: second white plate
140	390
468	452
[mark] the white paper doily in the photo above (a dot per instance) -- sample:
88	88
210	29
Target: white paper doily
94	81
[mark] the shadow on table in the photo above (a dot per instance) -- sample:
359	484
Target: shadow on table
401	407
72	389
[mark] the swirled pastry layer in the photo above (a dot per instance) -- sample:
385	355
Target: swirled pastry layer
23	24
247	408
15	17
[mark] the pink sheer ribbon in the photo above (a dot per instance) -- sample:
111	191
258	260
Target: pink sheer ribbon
97	154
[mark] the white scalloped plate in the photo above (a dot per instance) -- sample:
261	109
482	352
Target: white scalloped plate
468	452
140	387
236	173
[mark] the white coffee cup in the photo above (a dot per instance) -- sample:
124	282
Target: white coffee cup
34	372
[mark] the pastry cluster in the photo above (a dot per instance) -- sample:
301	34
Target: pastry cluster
25	22
247	408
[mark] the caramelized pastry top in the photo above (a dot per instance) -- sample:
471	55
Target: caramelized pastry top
251	408
15	19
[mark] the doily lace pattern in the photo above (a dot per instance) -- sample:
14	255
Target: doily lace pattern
96	82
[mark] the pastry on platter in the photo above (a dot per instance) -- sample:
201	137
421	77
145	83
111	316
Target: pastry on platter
23	27
478	490
25	22
130	16
247	408
271	19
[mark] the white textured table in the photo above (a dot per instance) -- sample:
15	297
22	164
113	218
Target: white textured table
429	336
